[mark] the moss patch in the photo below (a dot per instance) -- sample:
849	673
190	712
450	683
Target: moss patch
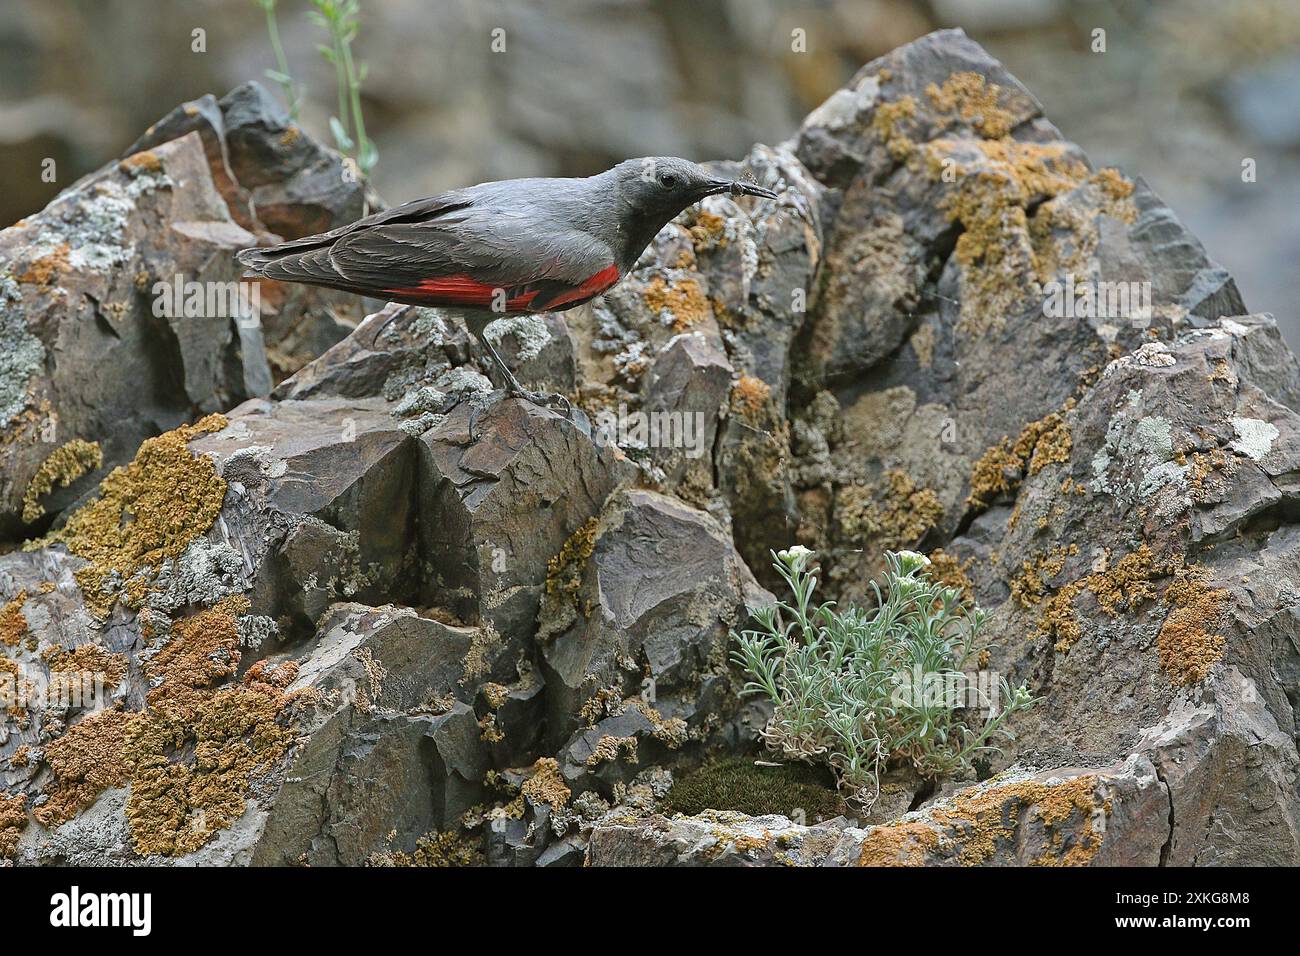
737	783
65	465
147	511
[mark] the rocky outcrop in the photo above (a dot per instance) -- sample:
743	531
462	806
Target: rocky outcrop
381	613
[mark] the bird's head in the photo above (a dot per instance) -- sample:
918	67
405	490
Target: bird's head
652	190
662	186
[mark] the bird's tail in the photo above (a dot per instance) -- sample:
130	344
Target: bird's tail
302	260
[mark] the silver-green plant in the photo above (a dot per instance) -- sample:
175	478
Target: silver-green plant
845	685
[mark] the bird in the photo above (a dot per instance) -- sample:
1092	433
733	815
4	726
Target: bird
510	247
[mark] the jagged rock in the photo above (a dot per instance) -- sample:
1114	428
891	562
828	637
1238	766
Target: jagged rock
508	485
635	635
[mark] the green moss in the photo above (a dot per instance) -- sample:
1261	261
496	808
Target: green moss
737	783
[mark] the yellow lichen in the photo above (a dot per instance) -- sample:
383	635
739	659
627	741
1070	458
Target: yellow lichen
684	300
1125	584
975	100
950	572
610	748
1029	585
983	820
147	511
894	513
885	123
546	785
565	570
1002	467
432	850
64	465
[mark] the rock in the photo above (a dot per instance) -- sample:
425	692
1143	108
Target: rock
509	485
635	630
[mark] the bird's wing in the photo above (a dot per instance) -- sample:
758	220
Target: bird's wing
450	250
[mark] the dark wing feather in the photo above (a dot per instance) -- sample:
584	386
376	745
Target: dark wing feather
399	254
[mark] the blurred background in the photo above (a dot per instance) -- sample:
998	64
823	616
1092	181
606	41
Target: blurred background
1184	92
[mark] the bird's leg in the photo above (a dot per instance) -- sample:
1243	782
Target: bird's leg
514	388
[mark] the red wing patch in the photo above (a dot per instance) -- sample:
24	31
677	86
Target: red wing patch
463	289
589	289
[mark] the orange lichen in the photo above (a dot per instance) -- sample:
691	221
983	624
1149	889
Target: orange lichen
1188	643
145	161
885	123
1125	584
13	820
898	844
749	396
13	624
90	659
1003	466
44	270
86	760
986	819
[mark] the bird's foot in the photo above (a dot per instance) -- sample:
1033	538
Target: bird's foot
553	400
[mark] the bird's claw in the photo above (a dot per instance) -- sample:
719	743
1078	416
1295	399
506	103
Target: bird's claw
545	400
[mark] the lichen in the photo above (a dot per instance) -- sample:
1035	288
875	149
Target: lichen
13	623
749	396
949	571
86	760
1030	584
564	571
984	819
148	511
905	843
437	849
1189	644
610	748
1125	584
13	820
894	513
683	302
888	115
22	357
63	466
1003	466
546	785
975	100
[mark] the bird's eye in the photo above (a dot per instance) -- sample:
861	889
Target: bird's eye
668	180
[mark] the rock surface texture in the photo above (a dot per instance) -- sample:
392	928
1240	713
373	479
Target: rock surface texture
376	613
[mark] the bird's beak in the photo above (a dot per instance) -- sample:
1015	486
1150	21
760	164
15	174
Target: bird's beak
738	188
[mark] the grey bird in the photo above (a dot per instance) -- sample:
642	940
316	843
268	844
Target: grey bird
502	248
